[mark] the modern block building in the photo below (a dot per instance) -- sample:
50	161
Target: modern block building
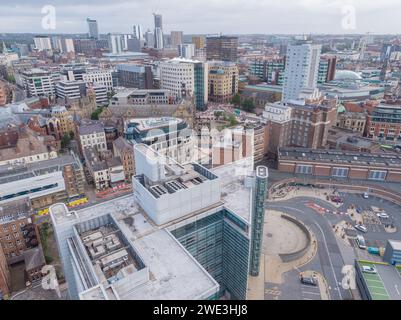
181	236
222	48
167	135
384	123
185	77
135	76
38	82
44	182
301	69
42	43
392	254
223	81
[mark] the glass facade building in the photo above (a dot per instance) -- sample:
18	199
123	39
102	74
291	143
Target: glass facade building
220	243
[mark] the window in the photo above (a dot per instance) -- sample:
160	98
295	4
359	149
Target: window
377	175
340	172
304	169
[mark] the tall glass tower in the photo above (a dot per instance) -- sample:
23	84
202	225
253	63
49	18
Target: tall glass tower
258	218
93	29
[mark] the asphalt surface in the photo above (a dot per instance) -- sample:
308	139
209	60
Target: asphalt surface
329	259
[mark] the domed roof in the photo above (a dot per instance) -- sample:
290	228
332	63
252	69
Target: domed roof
342	75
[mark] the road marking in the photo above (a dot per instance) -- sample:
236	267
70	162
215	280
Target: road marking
314	293
396	289
331	262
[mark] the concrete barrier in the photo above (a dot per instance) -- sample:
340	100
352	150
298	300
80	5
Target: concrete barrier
288	257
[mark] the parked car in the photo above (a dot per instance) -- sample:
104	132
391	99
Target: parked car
361	228
366	195
369	269
383	215
309	281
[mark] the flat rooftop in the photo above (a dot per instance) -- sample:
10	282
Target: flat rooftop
235	194
386	284
174	273
153	123
340	157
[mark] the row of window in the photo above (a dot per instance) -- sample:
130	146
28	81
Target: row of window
377	175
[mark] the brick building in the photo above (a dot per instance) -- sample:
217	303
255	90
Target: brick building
5	279
340	164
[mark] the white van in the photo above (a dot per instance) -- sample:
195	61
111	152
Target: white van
360	241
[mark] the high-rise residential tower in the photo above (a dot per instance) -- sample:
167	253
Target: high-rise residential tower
223	48
93	29
115	43
301	70
158	34
137	31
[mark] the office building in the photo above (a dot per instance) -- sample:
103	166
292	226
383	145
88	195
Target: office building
268	70
222	48
327	69
42	43
223	81
135	45
392	253
176	39
196	230
185	77
301	70
186	51
97	76
93	29
384	123
199	42
135	76
45	182
137	97
169	136
70	90
38	82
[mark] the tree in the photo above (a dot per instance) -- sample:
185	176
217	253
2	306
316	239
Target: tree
236	100
65	141
96	113
248	105
233	120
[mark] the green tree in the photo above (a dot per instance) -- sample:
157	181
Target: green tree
236	100
248	105
96	113
65	141
233	120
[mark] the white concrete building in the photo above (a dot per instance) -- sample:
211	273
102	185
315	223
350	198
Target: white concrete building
99	76
185	76
38	82
301	70
115	43
186	50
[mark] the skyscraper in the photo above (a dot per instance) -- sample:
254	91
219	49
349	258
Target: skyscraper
149	39
115	43
93	29
301	70
138	34
158	34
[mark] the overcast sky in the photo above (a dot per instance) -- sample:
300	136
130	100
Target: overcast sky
208	16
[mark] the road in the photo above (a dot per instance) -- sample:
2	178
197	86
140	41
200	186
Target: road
328	260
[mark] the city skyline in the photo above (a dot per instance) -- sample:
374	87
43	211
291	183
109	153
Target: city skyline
230	17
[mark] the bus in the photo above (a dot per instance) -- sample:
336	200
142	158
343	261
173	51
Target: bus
77	202
360	241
